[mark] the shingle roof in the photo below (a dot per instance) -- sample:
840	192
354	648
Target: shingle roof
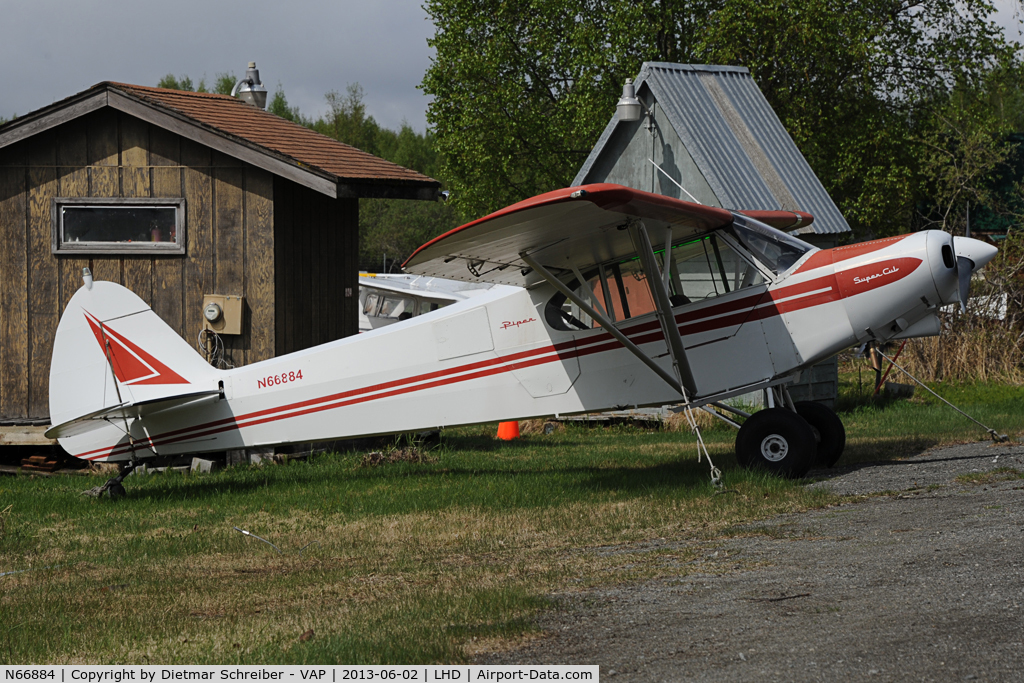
241	130
232	116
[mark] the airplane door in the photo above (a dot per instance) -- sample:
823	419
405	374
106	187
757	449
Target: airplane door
726	343
543	361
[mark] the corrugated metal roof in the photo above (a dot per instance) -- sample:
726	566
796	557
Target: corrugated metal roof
736	140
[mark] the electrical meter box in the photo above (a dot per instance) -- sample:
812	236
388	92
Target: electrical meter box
222	313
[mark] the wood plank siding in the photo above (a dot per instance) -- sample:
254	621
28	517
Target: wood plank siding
230	249
316	279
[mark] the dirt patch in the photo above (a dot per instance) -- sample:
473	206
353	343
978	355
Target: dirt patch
921	579
678	422
531	427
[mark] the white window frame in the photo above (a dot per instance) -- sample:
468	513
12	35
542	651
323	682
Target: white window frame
59	247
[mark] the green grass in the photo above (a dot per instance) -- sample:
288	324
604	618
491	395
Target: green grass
998	474
881	428
399	563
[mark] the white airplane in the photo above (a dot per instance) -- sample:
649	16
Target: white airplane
606	297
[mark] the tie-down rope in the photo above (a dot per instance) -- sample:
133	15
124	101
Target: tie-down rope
998	438
702	450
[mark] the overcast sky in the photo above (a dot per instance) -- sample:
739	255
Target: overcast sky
51	49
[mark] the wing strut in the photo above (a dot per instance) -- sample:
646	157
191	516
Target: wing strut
604	323
663	306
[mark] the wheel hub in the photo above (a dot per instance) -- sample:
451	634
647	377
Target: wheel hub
774	448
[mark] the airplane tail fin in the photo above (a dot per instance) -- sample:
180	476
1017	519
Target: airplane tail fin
111	352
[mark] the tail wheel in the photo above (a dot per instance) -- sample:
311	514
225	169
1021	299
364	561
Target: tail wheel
778	441
830	429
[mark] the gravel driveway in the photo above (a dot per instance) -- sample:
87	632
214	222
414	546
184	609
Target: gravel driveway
926	583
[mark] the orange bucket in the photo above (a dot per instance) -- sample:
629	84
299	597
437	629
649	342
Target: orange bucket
508	431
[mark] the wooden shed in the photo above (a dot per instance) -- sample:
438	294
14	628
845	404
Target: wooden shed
177	195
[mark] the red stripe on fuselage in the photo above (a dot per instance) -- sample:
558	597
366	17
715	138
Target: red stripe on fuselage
826	257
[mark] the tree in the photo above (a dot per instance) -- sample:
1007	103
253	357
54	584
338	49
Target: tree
389	229
279	106
222	85
347	120
522	88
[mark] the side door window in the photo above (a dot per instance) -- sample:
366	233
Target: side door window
370	305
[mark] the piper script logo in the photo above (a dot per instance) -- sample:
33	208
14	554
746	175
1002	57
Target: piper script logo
507	324
869	278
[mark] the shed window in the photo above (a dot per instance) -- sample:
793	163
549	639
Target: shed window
118	226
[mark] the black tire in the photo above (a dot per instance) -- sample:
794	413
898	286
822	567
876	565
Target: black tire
116	491
778	441
830	429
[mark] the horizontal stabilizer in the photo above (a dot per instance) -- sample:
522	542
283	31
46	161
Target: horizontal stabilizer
128	411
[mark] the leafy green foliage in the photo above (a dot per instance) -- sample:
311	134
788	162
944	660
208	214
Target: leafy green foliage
522	89
389	229
279	106
222	84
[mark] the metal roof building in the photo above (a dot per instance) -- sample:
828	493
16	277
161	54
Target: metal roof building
710	129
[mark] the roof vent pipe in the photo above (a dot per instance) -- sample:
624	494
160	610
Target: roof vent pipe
250	89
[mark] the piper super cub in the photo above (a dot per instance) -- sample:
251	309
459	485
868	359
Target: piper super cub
603	297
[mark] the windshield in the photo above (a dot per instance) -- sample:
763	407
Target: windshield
776	250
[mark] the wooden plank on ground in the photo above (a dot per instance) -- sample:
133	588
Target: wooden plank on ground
24	436
166	178
13	285
43	273
138	270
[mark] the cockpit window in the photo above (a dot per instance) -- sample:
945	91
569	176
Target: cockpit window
701	268
708	267
776	250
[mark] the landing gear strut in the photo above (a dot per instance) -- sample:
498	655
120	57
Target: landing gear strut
113	488
789	440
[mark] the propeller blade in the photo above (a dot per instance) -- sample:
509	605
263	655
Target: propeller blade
965	268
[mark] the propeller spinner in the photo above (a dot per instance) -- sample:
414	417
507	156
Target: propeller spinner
971	255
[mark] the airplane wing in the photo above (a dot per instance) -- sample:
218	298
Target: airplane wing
384	286
128	410
576	226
